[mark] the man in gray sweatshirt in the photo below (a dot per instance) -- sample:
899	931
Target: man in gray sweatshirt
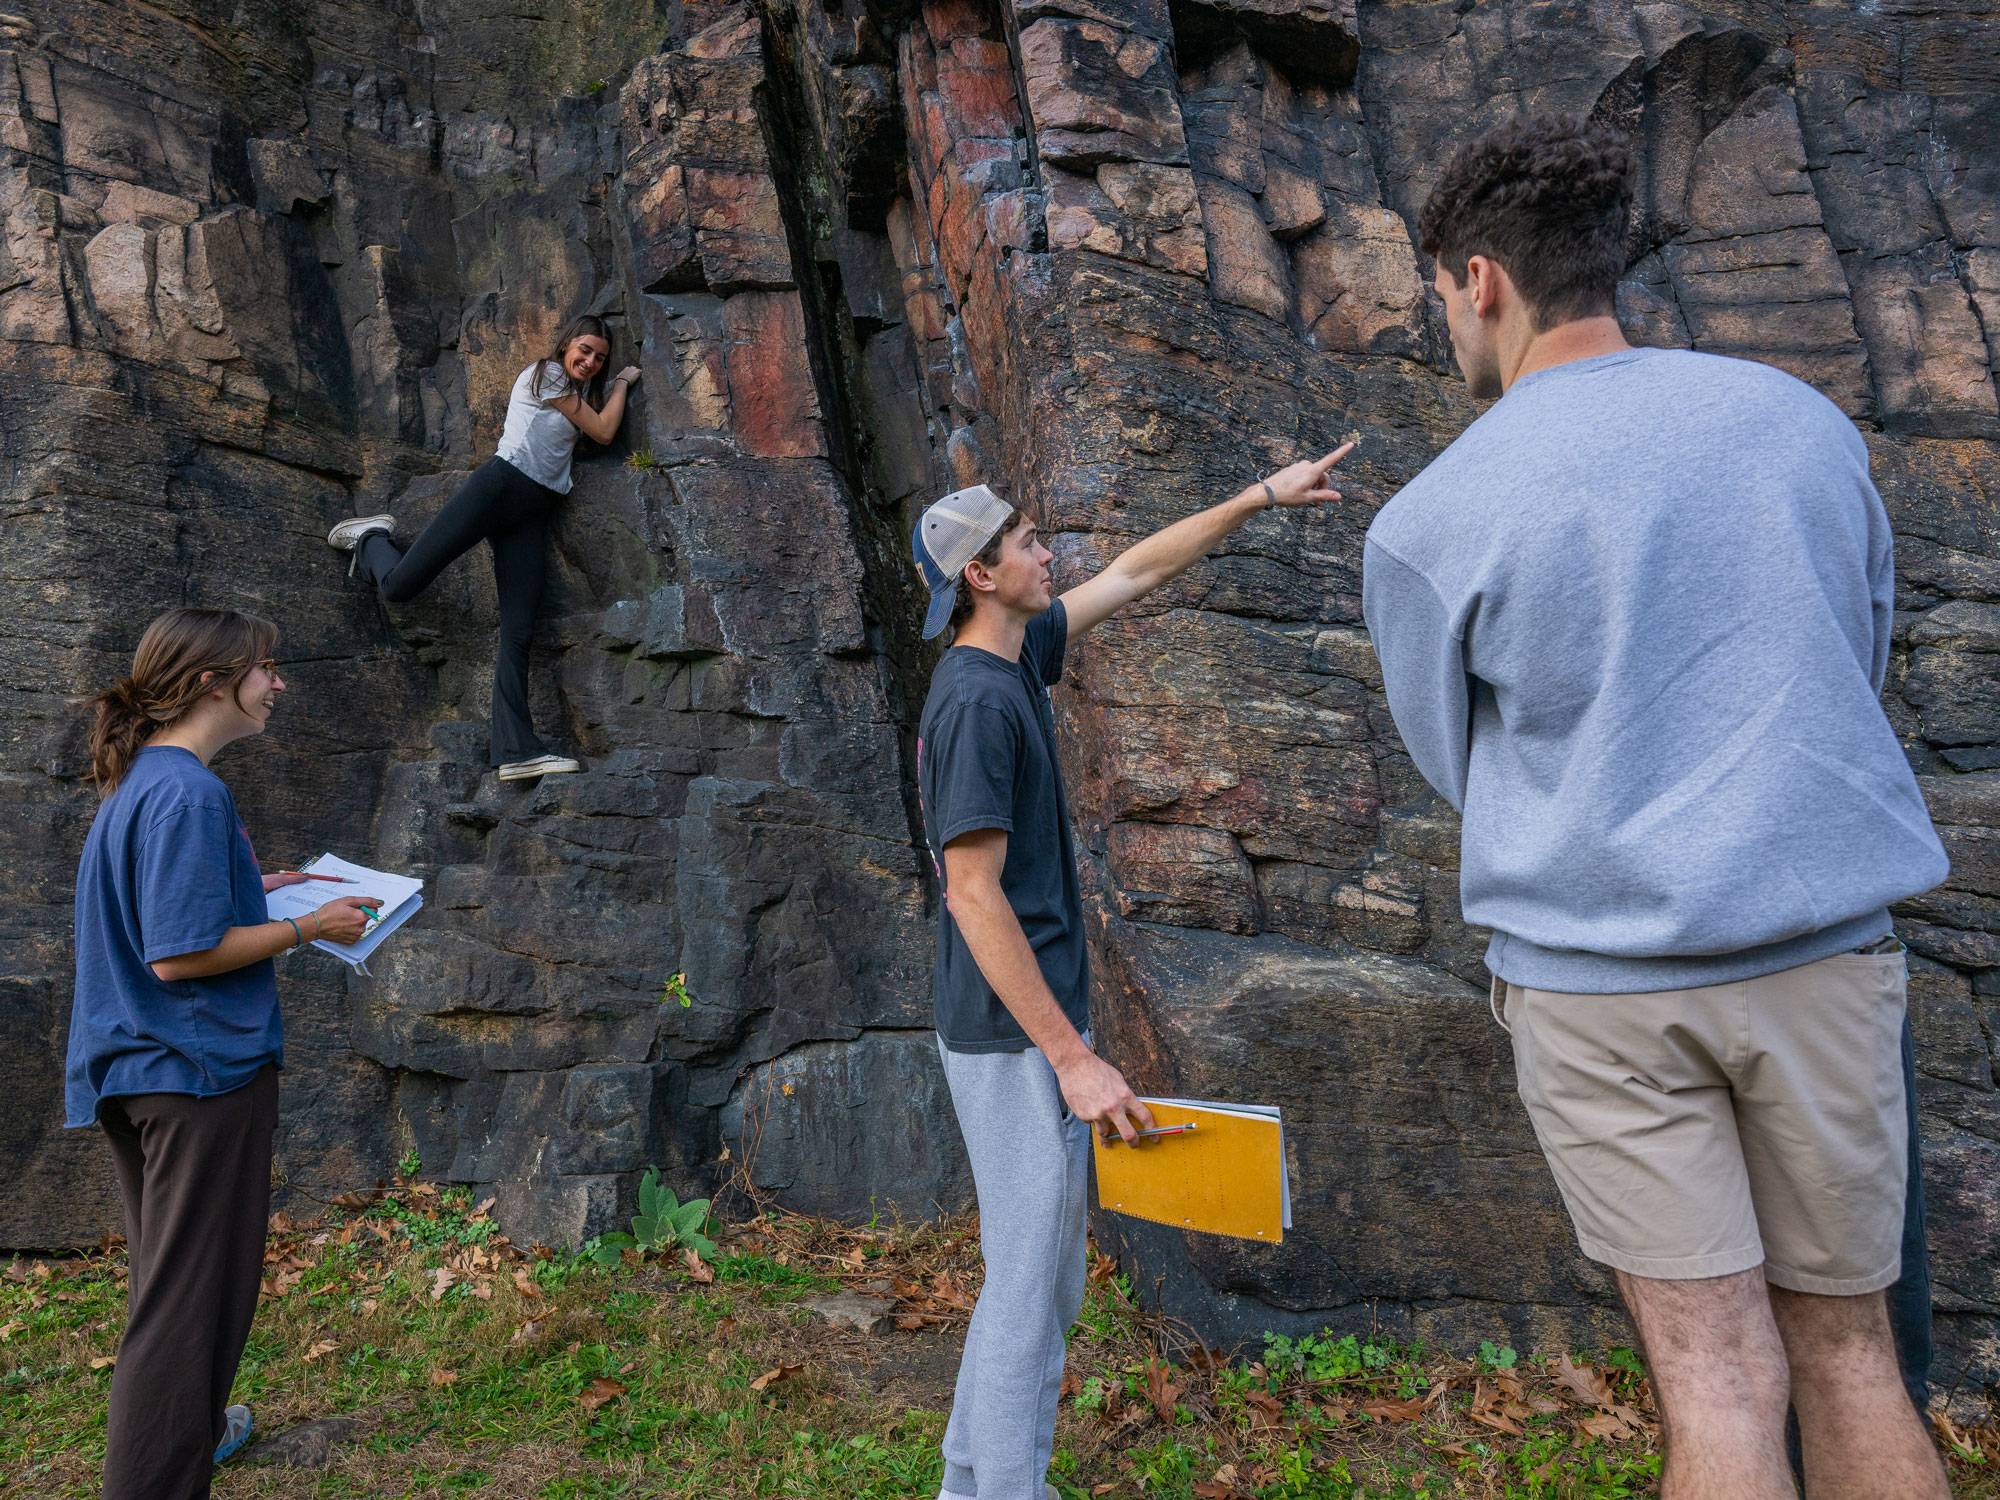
1633	625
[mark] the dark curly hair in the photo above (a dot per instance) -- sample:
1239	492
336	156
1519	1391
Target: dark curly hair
1548	197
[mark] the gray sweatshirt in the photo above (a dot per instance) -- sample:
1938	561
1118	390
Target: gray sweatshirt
1633	624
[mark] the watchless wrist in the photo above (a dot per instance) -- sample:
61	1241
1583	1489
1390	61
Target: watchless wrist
1069	1055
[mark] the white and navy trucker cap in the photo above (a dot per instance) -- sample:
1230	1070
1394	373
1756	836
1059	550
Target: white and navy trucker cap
947	536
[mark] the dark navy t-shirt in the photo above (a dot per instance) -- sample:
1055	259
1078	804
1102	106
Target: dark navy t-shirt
167	870
986	758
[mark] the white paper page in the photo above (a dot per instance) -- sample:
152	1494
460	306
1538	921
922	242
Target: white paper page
397	894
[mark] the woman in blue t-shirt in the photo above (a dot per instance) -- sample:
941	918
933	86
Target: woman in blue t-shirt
174	1038
508	502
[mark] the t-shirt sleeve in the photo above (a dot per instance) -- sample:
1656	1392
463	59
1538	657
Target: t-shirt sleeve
971	754
1423	669
1046	643
182	884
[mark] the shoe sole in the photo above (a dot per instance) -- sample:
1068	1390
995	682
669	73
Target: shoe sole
537	773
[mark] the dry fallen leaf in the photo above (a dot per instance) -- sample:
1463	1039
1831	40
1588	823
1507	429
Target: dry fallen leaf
1266	1409
444	1377
1387	1409
525	1284
698	1269
601	1391
1604	1424
442	1281
1585	1382
772	1376
320	1350
526	1331
104	1362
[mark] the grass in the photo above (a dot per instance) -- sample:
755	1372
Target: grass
469	1366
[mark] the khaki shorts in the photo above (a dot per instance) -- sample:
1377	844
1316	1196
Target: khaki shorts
1702	1132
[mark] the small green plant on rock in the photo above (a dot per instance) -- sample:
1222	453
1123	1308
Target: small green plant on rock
641	458
663	1223
676	992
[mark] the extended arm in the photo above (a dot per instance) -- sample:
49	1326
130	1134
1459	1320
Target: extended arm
599	426
1096	1091
1169	552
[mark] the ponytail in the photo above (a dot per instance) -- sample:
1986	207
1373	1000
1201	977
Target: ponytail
166	681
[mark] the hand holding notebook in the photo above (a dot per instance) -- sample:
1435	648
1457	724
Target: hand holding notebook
399	897
1207	1166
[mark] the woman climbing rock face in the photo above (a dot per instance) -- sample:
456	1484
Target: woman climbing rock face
508	502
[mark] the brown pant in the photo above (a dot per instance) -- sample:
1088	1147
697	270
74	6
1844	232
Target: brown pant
195	1175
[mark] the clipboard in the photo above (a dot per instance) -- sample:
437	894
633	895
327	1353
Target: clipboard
401	897
1223	1172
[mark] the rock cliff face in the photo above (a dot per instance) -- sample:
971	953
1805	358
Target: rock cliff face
268	265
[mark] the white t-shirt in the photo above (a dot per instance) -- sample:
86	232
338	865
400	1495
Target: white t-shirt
537	439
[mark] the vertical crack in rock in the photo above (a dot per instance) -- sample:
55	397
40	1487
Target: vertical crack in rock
849	290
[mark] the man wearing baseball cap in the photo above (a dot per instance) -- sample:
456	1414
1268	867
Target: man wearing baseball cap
1011	982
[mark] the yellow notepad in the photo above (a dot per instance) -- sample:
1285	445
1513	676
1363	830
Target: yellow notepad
1224	1176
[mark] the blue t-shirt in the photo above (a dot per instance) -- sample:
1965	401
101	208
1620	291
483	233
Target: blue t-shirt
167	870
986	758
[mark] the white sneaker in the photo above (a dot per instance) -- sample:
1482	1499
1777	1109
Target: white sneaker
541	765
346	535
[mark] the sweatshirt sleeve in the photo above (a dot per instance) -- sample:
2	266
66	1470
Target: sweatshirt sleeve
1423	668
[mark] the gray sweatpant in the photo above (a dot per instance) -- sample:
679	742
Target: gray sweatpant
1030	1166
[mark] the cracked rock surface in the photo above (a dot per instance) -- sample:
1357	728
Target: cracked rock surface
267	267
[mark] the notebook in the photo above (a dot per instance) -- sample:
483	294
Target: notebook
400	895
1226	1175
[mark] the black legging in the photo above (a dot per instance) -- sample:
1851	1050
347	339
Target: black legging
501	505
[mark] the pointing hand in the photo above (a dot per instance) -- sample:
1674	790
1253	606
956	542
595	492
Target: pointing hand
1304	483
